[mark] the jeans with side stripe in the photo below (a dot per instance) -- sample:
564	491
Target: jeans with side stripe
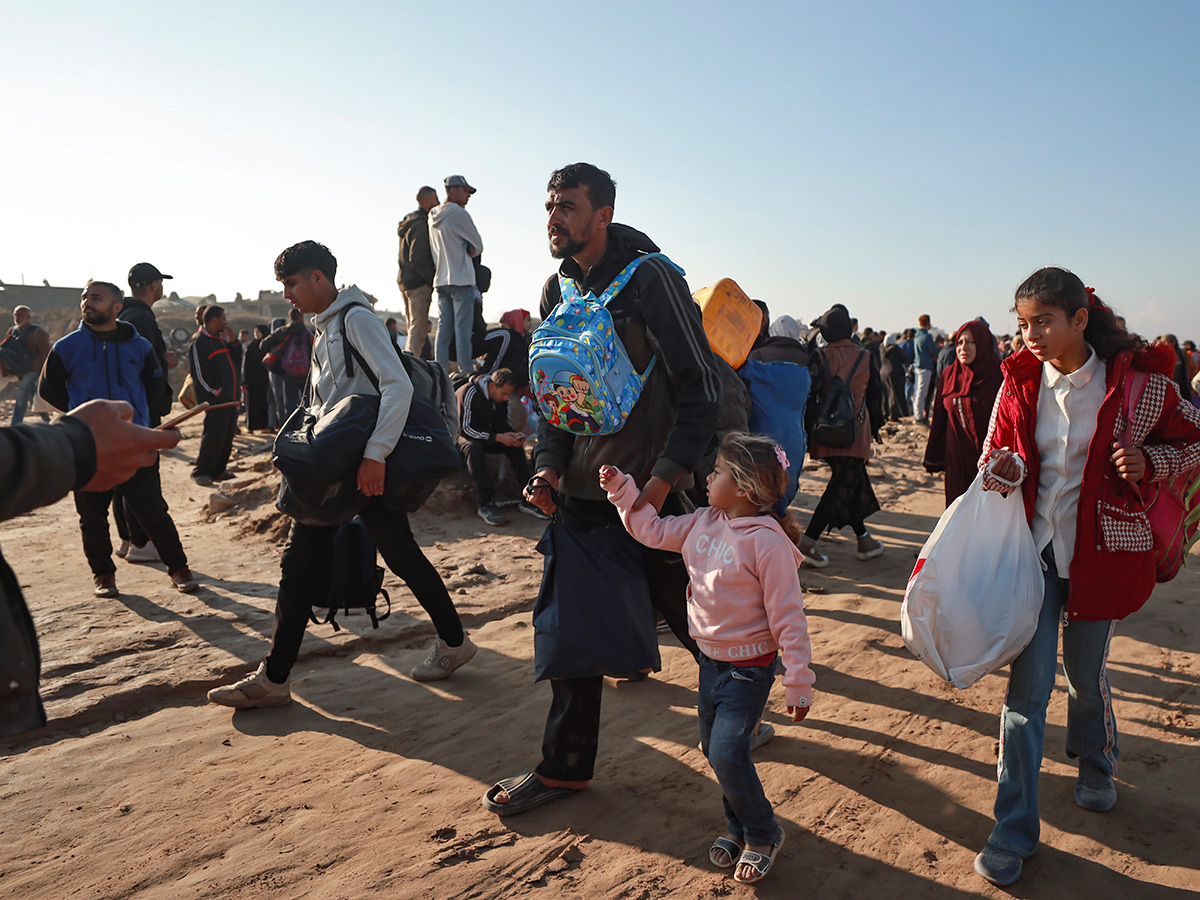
1091	728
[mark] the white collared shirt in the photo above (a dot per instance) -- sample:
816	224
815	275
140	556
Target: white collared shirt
1066	420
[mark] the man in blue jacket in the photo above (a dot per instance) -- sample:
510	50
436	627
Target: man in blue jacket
926	349
106	359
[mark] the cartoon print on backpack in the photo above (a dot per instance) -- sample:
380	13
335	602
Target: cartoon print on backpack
583	379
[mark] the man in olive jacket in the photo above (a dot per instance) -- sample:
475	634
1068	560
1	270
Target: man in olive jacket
417	268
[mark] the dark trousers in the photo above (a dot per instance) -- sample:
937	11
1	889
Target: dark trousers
475	455
216	443
304	578
572	734
128	526
143	496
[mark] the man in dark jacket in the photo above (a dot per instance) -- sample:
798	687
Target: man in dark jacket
107	359
417	268
664	437
292	347
484	429
216	381
146	289
92	448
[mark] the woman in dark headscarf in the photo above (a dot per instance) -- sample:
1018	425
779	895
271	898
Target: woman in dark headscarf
891	372
256	382
966	393
848	498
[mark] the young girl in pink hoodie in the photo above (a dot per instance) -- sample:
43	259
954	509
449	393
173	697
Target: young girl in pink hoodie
745	607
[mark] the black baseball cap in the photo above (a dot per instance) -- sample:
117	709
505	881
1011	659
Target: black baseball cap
144	273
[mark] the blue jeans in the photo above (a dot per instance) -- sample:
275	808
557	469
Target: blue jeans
26	388
1091	728
456	315
732	699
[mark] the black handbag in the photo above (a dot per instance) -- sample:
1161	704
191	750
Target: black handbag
319	456
593	614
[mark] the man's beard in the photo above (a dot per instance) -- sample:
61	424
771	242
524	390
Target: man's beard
570	248
93	317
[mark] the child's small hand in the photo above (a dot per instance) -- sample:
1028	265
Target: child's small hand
1130	462
608	475
798	712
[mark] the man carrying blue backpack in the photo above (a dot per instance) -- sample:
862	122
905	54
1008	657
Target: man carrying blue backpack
655	402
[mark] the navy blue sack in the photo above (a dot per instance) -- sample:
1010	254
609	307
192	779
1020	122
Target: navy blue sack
593	614
778	394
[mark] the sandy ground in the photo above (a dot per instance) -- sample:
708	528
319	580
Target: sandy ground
369	784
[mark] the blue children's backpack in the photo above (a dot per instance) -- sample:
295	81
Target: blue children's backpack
581	375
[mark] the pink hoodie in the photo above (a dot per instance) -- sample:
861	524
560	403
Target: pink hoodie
744	597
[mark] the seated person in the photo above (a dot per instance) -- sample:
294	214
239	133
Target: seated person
484	429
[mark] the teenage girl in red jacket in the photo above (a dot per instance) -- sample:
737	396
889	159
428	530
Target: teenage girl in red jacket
1057	428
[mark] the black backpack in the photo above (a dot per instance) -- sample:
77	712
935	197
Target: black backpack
836	422
355	578
15	356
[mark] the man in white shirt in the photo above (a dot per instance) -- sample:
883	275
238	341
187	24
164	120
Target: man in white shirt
455	241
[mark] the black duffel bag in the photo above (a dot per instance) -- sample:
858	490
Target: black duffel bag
319	457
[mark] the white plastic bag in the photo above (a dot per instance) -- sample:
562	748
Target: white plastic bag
973	600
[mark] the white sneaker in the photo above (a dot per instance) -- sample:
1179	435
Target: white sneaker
253	690
149	553
444	659
123	550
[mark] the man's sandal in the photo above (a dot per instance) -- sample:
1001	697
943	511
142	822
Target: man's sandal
725	851
759	862
525	792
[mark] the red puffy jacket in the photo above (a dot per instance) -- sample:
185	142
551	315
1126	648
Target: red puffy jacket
1112	570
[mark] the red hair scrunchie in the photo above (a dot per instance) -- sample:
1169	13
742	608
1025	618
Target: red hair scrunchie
1091	292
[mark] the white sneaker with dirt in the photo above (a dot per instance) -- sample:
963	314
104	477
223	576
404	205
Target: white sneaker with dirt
444	659
813	558
253	691
147	553
868	548
124	549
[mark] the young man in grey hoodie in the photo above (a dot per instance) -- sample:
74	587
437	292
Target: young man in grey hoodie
307	271
455	241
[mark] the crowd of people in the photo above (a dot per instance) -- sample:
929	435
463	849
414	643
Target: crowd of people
682	510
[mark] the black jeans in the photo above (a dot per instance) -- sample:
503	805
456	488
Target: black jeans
475	454
216	443
572	734
304	578
128	527
142	495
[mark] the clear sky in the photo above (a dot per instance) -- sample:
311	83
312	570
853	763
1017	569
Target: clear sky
898	157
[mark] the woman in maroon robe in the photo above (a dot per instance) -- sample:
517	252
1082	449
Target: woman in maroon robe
966	393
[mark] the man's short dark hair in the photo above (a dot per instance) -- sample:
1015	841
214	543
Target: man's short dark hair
117	293
389	322
295	315
211	312
425	192
303	257
503	378
601	189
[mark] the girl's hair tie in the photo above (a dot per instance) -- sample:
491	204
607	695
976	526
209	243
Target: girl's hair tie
1091	292
782	457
